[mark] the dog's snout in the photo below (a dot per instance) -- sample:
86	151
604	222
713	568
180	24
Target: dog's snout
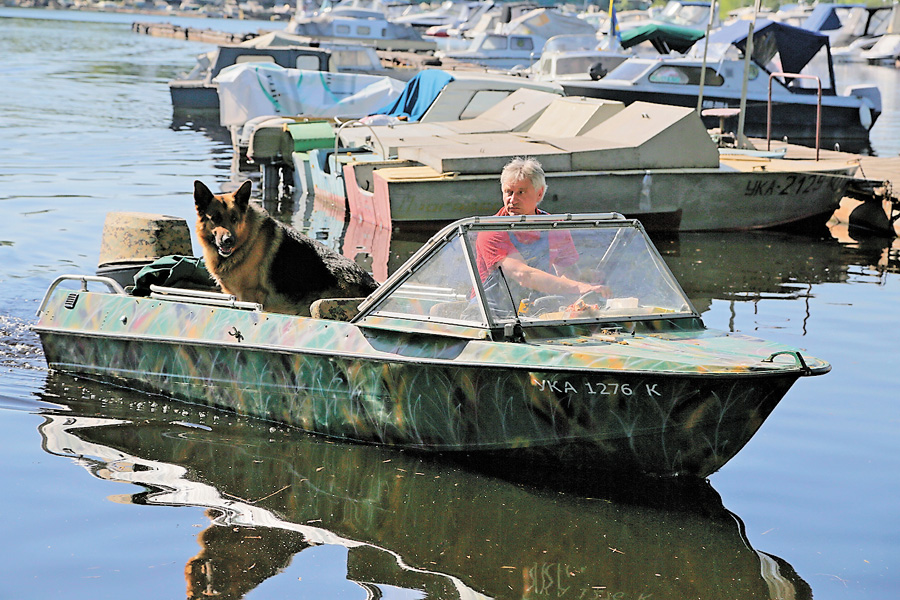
226	240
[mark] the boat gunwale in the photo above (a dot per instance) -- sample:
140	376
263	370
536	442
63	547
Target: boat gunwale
834	170
777	370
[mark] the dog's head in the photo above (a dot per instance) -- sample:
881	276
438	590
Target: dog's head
222	218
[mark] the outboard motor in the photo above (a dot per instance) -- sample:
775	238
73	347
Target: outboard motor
132	240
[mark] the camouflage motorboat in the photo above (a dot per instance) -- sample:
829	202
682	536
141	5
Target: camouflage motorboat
443	359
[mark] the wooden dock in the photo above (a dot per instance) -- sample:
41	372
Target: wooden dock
883	168
210	36
193	34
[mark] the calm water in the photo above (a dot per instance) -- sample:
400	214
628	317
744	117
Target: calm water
112	495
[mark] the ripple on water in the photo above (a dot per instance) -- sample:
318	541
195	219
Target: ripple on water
22	366
20	347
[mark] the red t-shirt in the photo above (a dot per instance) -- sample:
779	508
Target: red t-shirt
493	246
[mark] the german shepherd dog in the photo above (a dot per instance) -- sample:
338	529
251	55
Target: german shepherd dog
258	259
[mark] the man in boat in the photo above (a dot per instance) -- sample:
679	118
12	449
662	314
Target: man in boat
535	261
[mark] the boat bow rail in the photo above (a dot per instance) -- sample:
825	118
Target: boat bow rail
805	369
111	284
157	292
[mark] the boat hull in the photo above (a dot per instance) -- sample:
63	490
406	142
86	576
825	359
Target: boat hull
730	198
385	387
194	97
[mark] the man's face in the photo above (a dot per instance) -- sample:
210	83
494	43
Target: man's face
520	197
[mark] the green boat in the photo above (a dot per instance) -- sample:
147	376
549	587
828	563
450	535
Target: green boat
444	359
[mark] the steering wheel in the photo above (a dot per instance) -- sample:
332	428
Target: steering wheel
586	300
545	304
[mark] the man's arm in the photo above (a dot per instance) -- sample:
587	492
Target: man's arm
541	281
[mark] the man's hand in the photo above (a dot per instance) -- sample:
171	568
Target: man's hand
581	288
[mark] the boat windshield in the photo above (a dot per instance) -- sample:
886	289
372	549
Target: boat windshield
686	14
570	43
490	272
577	65
630	70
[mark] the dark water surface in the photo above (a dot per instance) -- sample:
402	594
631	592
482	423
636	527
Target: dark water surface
108	494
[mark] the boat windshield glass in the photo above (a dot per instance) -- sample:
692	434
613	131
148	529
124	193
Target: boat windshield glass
576	65
353	58
685	75
686	15
570	43
579	273
535	274
443	288
630	70
492	42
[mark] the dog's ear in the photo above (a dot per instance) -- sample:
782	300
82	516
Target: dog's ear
242	196
202	197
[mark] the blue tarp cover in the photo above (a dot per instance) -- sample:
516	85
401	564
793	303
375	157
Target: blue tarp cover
418	95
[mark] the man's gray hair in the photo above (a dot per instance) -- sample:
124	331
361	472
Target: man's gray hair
525	168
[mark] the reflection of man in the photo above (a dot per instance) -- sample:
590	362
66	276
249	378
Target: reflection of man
534	260
233	561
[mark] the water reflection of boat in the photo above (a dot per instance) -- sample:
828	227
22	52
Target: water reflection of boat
754	265
381	250
877	256
421	526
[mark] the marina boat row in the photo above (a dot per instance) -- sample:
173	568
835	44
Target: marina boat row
789	81
785	89
358	22
655	162
262	103
196	93
519	42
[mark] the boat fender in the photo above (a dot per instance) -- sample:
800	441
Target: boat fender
865	114
646	184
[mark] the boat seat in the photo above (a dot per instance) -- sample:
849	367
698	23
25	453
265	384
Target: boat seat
335	309
722	114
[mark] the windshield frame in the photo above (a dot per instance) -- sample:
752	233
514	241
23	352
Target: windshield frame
371	311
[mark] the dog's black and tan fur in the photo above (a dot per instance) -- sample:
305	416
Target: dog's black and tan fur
257	259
